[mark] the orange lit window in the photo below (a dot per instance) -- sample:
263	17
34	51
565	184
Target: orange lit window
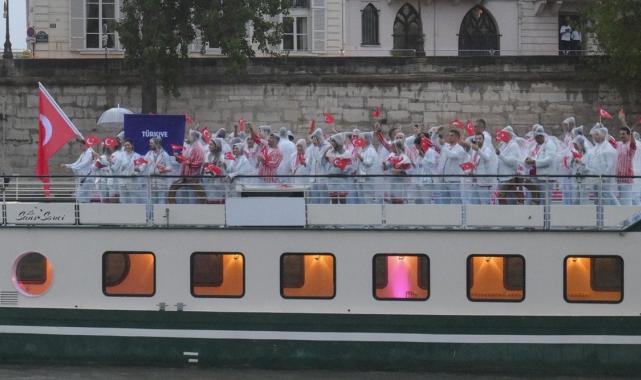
32	274
401	277
593	279
217	274
129	274
307	275
496	278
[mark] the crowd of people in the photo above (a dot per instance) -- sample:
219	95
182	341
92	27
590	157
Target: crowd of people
460	163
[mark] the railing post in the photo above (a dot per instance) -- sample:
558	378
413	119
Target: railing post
149	203
546	206
599	204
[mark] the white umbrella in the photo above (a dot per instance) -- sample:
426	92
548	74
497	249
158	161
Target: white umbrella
113	117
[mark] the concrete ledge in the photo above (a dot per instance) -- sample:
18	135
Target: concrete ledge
344	215
423	215
505	216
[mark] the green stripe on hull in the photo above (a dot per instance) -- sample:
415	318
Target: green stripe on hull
525	358
424	324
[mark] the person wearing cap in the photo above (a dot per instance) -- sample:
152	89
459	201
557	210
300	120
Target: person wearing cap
485	161
542	161
318	166
339	162
81	169
288	149
270	156
510	155
626	149
602	161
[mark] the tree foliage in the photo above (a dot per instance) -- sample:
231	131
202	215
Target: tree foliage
157	35
615	24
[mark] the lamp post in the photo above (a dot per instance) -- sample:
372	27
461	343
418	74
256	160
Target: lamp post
8	54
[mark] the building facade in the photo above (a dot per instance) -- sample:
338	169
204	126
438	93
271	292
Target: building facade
84	28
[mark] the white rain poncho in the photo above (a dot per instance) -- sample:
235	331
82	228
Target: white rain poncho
130	186
602	160
340	165
511	155
287	148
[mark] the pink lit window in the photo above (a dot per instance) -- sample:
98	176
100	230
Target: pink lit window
401	277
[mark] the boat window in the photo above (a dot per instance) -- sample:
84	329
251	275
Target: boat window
307	275
496	278
217	274
401	277
33	274
129	274
593	279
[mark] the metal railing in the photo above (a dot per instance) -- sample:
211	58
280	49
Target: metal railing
545	191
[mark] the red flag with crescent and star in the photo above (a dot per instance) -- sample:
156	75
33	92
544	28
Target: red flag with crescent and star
55	130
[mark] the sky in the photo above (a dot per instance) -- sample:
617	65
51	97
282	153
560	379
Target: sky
17	25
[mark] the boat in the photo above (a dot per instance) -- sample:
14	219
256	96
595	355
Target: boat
277	280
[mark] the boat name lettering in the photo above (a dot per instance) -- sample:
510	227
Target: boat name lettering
39	215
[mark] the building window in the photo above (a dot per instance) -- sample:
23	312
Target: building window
100	21
295	33
217	274
478	34
369	22
32	274
593	279
407	28
401	277
310	275
496	278
300	3
129	274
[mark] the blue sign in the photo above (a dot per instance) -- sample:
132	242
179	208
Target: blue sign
169	128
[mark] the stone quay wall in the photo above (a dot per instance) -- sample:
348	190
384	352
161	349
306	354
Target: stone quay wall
517	91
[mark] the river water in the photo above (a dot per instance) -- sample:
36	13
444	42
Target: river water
147	373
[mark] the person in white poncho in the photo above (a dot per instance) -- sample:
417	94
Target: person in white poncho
127	165
602	160
82	168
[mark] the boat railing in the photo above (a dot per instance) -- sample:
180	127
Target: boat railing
384	201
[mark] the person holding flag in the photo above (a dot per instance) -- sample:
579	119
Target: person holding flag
318	166
299	162
157	164
215	169
270	156
510	157
239	165
602	161
82	169
626	150
339	162
485	162
452	155
128	166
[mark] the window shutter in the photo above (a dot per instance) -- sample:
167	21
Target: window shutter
77	24
319	25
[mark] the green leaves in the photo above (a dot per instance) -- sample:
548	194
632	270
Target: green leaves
157	34
615	24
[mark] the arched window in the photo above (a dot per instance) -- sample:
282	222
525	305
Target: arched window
407	28
479	34
369	23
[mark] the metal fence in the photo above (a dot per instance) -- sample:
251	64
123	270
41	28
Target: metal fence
544	191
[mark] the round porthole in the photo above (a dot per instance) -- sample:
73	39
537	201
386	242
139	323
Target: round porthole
32	274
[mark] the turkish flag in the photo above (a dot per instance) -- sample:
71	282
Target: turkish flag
457	123
425	144
55	130
213	169
605	114
206	134
189	119
177	148
312	126
229	156
342	163
467	166
329	119
613	142
359	142
140	161
503	136
377	113
241	124
469	128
